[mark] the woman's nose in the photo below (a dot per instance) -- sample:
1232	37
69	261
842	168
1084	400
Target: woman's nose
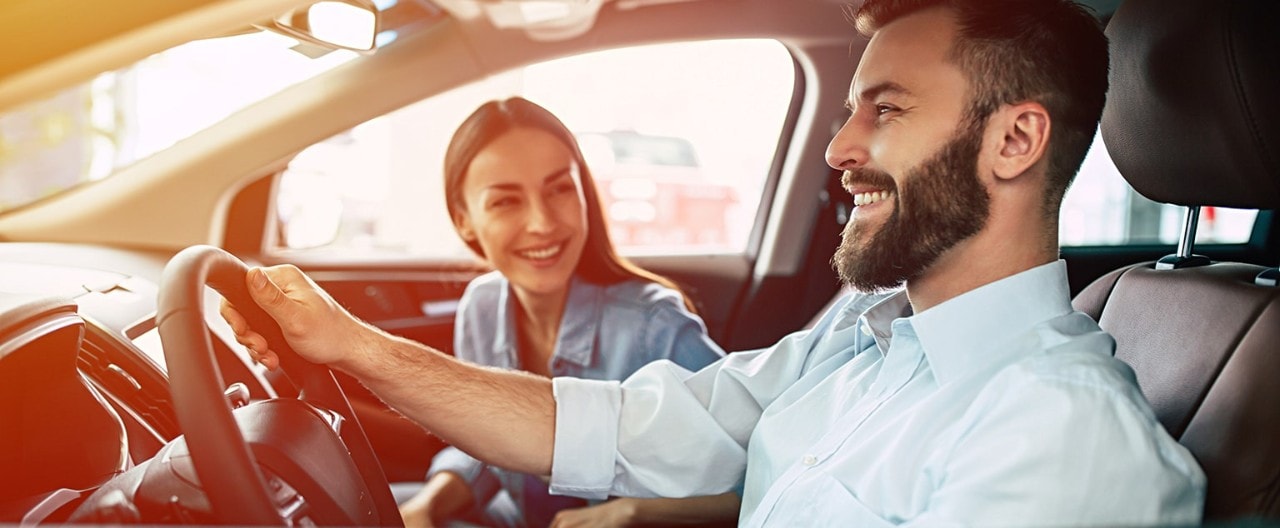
541	218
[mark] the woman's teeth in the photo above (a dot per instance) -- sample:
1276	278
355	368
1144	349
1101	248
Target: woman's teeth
541	254
868	198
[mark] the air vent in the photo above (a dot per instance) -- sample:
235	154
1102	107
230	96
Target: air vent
139	388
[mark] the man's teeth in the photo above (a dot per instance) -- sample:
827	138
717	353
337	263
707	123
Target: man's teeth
539	254
868	198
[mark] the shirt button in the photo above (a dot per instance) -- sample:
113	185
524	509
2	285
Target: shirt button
866	330
809	460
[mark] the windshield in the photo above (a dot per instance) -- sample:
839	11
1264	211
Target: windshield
91	131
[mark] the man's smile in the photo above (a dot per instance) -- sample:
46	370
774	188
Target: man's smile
869	197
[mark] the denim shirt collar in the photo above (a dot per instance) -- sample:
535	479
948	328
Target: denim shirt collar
575	341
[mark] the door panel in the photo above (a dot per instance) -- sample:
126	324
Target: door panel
417	305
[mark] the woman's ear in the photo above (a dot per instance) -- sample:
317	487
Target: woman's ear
1023	137
463	224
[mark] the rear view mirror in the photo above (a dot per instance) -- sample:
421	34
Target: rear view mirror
341	24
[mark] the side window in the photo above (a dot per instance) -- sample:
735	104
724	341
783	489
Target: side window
679	146
1101	209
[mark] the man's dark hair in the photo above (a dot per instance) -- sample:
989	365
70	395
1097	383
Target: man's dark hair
1049	51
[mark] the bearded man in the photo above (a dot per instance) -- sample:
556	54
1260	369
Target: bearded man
974	395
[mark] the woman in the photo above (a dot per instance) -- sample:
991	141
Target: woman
561	302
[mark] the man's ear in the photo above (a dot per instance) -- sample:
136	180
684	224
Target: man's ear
1023	138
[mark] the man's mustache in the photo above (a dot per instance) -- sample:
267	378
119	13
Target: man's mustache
867	177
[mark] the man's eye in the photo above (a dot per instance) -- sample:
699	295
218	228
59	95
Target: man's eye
882	109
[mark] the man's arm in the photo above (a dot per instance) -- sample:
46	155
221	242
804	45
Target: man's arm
503	417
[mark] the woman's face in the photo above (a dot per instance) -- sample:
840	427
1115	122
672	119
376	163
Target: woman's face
524	207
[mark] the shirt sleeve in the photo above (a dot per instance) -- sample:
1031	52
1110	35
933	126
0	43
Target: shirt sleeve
672	332
666	431
1085	454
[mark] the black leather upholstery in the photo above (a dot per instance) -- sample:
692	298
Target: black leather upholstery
1193	118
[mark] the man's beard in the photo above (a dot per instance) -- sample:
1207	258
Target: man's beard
940	203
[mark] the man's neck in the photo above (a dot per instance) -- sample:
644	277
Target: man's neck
987	257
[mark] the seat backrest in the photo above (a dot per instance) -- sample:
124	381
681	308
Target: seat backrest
1192	119
1205	345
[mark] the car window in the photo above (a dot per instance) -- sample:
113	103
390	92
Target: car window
680	153
91	131
1101	209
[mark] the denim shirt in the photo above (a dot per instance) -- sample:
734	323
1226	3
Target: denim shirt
606	333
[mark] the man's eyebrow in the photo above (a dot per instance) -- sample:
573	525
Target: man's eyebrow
876	90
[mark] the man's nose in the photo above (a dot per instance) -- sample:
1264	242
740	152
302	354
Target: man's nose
848	148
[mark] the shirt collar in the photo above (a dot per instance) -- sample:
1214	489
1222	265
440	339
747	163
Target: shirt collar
963	335
878	314
576	339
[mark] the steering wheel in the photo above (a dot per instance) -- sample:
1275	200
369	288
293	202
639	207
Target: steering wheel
232	479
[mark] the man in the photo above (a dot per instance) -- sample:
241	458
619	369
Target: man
974	396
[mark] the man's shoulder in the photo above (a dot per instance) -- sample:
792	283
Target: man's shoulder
1078	362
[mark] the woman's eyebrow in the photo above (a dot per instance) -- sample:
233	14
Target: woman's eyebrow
557	174
549	178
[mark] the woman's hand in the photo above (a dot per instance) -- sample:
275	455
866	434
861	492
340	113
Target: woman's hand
444	496
614	513
416	515
710	510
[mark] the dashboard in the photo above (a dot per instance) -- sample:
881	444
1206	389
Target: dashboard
84	395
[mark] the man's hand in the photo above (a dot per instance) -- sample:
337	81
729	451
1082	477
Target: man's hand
314	325
611	514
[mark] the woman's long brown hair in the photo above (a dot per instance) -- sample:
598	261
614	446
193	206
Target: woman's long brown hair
600	263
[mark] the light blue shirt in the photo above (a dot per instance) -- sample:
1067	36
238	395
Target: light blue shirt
606	333
1002	406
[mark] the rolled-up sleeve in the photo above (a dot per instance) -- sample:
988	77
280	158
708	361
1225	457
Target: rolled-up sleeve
666	431
586	439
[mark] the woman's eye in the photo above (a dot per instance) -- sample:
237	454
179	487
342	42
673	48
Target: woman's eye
502	202
882	109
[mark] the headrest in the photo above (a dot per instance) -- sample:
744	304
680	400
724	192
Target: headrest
1193	112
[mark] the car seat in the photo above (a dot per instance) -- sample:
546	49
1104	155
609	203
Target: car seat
1191	119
